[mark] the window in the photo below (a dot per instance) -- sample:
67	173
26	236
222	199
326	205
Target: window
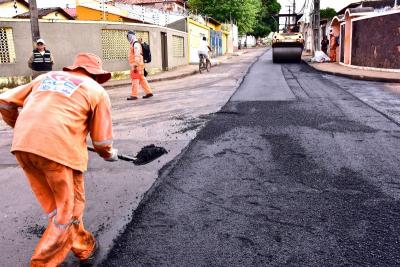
7	50
115	45
178	46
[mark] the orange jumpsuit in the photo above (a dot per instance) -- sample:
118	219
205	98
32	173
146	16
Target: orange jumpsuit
332	48
59	109
137	64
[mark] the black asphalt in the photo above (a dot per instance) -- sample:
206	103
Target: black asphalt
310	182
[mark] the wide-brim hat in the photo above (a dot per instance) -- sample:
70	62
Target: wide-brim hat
92	64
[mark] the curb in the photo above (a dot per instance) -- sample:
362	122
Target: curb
150	80
355	76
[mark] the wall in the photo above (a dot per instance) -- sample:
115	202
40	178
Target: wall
7	10
67	38
196	33
379	47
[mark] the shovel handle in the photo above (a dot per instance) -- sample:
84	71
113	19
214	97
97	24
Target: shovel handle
120	156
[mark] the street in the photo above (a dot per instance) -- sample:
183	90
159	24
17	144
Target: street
171	119
297	169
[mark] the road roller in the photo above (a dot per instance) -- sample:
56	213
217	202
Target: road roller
287	47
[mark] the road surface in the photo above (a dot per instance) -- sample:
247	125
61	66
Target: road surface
297	169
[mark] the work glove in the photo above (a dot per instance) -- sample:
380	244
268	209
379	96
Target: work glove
114	156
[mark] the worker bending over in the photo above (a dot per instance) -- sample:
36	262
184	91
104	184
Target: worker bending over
58	110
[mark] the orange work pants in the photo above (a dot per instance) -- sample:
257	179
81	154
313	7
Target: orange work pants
142	82
332	54
61	189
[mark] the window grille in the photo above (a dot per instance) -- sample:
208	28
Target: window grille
7	49
115	45
178	46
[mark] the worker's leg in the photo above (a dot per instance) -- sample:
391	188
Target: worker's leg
84	242
135	86
332	55
145	85
38	182
57	240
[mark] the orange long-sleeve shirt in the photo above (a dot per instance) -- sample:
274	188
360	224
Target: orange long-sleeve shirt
135	57
59	109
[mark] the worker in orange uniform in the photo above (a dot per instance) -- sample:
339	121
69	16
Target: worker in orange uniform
59	109
332	46
137	68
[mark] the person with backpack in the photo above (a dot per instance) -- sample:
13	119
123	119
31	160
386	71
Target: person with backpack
136	62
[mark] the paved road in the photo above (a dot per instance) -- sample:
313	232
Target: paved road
171	119
307	181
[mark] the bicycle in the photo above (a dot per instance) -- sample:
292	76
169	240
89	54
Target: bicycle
204	64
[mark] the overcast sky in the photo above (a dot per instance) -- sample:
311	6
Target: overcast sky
336	4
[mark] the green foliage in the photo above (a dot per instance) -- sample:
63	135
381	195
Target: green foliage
328	13
265	23
244	12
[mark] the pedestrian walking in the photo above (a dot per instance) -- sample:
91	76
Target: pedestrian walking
137	68
41	60
332	46
58	111
324	44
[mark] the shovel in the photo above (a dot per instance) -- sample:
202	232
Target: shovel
146	155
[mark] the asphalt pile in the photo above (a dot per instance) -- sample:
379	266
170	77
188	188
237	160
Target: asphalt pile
149	153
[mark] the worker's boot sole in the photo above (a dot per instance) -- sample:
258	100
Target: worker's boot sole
91	260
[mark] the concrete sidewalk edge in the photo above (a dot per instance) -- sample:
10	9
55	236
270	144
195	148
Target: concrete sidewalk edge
355	76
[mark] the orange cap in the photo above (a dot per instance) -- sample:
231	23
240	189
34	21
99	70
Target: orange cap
92	64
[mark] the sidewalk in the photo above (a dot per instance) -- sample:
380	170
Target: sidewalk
176	73
354	73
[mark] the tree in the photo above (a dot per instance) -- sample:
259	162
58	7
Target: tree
244	12
328	13
265	23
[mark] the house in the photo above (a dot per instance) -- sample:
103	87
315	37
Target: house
11	8
376	5
55	13
100	11
177	6
368	36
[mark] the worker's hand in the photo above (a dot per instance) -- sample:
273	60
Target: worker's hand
114	156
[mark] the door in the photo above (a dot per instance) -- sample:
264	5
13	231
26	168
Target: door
164	51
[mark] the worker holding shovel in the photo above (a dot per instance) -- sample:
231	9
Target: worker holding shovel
59	110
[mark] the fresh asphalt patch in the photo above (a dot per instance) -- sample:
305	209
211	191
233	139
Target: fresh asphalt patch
308	182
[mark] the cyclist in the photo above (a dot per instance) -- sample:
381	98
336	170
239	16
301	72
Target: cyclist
204	48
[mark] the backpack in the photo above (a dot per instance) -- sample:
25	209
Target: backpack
146	53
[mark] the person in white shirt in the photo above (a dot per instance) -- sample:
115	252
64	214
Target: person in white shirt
204	48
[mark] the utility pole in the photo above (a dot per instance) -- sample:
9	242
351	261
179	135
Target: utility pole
34	21
294	12
316	24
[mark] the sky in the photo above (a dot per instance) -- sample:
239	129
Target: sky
336	4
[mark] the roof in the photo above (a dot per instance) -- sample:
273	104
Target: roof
70	11
25	3
44	12
376	4
148	2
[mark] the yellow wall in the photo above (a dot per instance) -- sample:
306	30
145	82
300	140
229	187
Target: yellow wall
55	15
84	13
224	43
7	10
195	32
